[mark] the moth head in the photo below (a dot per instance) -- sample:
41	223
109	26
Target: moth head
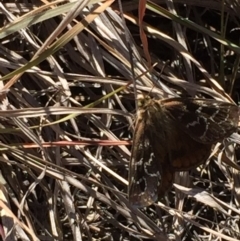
142	100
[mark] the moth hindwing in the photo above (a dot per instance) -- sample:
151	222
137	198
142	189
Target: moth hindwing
172	135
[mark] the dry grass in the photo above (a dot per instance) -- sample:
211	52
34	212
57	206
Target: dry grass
65	134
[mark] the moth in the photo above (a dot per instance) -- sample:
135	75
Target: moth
172	135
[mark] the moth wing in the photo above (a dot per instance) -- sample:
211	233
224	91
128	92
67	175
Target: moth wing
144	173
186	153
206	121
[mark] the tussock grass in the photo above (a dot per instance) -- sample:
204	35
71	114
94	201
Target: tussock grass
65	134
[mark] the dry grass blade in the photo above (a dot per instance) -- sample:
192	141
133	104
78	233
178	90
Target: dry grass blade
67	113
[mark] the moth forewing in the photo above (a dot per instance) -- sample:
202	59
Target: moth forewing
206	121
143	170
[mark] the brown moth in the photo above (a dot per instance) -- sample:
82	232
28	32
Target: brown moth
172	135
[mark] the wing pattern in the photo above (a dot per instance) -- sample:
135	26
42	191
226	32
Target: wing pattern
174	135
